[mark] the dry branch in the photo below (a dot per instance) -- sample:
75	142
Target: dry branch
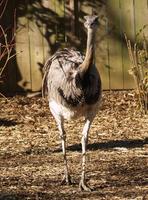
7	45
139	70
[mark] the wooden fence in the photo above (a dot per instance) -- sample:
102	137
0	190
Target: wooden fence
43	26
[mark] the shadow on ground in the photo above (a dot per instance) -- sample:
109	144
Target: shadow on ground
7	122
109	145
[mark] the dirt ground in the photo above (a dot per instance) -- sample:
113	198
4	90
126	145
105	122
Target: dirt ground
31	162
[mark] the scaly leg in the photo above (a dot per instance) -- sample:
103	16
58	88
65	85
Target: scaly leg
59	120
66	179
82	184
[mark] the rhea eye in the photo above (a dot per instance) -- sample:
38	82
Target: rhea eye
70	73
96	20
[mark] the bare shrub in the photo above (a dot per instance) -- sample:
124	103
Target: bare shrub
138	54
6	45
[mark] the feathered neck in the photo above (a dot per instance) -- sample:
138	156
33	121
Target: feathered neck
90	51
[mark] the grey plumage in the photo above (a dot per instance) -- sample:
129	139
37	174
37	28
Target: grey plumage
62	80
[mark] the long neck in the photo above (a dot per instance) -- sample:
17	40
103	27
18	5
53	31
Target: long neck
89	57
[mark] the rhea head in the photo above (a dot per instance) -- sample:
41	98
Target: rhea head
91	22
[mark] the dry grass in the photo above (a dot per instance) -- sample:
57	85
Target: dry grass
31	162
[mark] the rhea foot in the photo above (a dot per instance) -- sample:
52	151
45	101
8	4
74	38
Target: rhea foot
66	180
83	186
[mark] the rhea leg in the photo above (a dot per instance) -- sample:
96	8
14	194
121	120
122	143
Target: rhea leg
66	179
60	124
84	140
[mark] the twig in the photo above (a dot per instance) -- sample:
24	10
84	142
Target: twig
3	96
4	8
7	49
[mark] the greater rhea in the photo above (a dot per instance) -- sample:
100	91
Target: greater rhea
73	85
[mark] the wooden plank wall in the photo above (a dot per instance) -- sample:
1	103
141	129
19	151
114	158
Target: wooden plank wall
50	24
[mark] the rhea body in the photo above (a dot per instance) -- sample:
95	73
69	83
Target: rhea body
73	85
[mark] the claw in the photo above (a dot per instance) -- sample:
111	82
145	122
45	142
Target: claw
66	180
84	187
